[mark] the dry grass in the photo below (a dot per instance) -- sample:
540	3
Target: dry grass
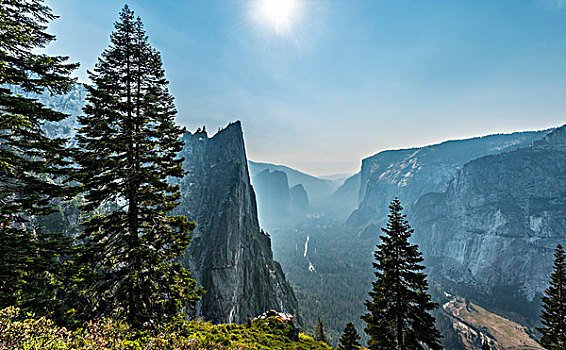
474	322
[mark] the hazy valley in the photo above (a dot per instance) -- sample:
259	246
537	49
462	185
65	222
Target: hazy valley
487	214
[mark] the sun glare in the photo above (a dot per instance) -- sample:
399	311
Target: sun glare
278	15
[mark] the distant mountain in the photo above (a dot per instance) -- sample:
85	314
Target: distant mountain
338	179
491	235
346	198
277	203
229	254
317	189
71	103
410	173
299	199
273	197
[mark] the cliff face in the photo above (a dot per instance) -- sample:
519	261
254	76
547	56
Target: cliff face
277	203
317	189
493	232
273	197
299	199
229	255
410	173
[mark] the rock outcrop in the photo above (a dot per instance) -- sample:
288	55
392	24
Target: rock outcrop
317	189
277	203
299	199
229	255
491	235
273	197
410	173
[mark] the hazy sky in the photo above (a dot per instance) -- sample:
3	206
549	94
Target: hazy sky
345	79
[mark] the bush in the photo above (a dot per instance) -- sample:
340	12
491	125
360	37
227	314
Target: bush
27	332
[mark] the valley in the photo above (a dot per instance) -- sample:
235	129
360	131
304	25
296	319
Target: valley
323	231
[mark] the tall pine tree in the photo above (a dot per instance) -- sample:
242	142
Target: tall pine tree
130	145
399	309
349	339
553	315
31	164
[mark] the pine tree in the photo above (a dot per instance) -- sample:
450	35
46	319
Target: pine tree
31	164
399	310
553	315
130	145
320	332
349	339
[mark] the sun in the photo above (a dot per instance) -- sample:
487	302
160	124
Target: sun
277	15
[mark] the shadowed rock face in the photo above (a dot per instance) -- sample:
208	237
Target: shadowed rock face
277	203
411	173
273	196
495	228
299	199
229	255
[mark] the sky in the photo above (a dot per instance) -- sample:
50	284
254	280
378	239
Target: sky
340	80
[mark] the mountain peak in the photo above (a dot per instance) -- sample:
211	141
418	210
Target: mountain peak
557	137
229	255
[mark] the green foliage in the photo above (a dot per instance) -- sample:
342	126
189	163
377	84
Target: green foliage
104	334
349	339
399	309
129	145
553	315
31	165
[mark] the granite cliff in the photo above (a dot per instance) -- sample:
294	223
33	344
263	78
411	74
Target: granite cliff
229	255
492	233
411	173
277	203
316	188
273	197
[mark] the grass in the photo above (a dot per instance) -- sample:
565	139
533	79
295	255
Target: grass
27	332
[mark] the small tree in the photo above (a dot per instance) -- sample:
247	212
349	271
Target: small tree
399	309
349	339
553	315
320	332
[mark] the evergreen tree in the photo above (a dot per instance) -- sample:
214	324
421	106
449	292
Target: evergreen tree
320	332
31	164
553	315
399	310
130	145
349	339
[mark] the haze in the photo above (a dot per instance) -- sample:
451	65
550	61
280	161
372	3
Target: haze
348	78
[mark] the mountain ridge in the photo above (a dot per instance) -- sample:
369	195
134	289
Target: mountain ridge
413	172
